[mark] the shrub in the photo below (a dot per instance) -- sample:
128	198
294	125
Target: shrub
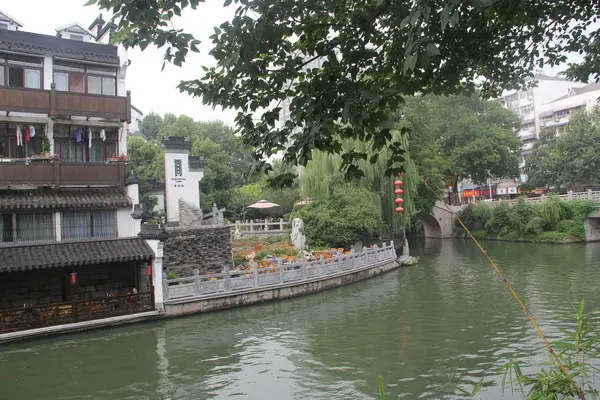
571	227
502	221
536	225
553	210
350	215
467	217
482	213
578	210
522	214
476	216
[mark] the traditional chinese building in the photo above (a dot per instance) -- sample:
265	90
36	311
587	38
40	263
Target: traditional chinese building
69	205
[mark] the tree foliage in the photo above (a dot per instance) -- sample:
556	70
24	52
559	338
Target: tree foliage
371	54
571	160
227	159
463	137
151	125
351	214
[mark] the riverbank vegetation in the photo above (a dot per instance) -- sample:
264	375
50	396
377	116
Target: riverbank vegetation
552	221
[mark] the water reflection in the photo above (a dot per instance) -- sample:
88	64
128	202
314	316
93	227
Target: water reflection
425	329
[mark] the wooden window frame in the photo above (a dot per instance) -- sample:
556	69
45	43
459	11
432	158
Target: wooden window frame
4	62
86	74
64	140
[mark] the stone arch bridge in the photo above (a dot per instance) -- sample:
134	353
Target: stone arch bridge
440	223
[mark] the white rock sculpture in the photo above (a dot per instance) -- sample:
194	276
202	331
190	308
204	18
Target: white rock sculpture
297	236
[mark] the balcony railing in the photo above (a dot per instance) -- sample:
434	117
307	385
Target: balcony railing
61	173
32	236
39	316
55	103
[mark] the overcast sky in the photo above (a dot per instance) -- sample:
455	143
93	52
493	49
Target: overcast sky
151	88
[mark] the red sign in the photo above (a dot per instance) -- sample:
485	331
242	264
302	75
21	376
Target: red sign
478	193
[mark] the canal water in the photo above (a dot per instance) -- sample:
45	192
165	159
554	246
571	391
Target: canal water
426	330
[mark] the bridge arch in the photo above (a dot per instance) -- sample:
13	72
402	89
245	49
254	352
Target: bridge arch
440	222
431	226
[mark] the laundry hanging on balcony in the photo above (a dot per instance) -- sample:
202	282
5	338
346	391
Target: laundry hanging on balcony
79	135
31	131
102	134
19	136
90	138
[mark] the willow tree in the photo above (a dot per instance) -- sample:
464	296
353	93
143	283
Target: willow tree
324	172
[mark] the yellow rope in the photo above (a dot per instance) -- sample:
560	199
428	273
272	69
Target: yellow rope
579	390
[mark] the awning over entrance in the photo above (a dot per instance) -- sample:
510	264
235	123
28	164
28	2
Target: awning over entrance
67	254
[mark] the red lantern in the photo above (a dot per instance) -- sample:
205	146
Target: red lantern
399	209
73	278
398	183
399	201
149	270
398	191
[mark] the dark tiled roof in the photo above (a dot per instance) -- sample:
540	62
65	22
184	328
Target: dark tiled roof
48	198
140	213
153	231
132	180
157	185
74	254
177	142
196	161
35	43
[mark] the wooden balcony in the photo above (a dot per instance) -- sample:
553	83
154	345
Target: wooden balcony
55	103
56	173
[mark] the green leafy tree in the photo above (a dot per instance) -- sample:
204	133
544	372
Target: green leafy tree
151	125
148	162
371	54
147	158
462	137
350	215
571	160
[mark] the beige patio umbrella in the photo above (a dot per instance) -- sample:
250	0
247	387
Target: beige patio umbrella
263	204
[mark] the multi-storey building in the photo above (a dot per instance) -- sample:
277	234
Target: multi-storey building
137	116
557	114
69	206
529	105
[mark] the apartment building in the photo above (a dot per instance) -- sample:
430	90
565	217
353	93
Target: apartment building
557	114
529	105
69	205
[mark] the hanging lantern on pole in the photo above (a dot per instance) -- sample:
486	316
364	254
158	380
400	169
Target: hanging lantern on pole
73	278
149	270
398	192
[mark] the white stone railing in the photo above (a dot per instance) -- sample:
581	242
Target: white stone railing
278	275
589	195
266	228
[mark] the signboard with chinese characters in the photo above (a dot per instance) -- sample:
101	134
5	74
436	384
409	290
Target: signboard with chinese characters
512	190
178	179
501	190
